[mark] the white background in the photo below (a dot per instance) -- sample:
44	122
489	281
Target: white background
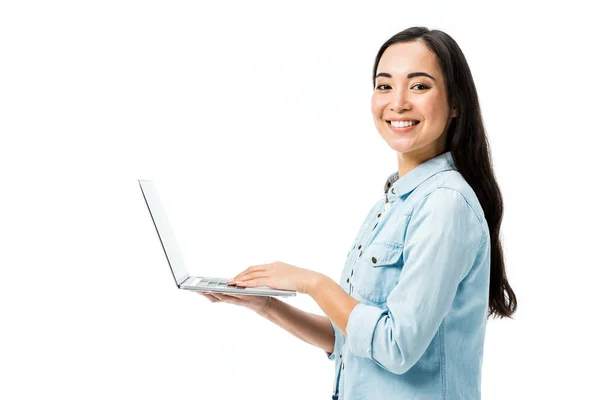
253	119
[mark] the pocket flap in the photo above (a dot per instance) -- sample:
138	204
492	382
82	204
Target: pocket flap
378	271
380	254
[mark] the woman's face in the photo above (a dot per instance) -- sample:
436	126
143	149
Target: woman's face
398	95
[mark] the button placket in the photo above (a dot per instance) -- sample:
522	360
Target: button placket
342	350
353	247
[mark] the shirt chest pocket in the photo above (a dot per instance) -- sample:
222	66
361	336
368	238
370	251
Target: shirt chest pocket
378	271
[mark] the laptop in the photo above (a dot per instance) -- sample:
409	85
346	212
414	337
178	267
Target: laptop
183	280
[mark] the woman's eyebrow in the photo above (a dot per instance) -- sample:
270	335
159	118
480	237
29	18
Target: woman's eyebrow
411	75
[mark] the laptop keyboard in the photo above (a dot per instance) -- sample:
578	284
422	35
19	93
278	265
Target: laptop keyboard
217	283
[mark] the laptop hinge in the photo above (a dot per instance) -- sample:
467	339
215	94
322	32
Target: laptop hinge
184	279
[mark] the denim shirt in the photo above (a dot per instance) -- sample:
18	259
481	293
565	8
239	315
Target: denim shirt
420	269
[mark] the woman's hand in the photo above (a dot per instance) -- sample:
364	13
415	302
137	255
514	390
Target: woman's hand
258	304
277	275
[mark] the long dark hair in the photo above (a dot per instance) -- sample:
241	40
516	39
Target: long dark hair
467	141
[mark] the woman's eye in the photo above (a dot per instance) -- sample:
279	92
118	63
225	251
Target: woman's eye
420	84
381	86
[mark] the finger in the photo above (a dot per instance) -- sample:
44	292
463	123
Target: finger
249	270
221	296
229	298
211	298
244	272
214	294
253	276
256	282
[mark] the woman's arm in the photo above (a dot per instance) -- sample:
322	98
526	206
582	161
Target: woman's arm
311	328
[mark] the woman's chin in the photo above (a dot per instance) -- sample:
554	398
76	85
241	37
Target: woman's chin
401	145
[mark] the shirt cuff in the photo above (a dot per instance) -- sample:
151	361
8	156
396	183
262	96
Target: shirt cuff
360	329
331	355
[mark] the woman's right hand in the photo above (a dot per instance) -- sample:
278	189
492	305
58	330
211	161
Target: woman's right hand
257	304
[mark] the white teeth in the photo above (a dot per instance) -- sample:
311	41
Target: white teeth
402	124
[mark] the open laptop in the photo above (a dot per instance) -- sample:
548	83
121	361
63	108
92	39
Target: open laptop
175	260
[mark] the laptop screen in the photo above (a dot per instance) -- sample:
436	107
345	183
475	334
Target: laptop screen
163	228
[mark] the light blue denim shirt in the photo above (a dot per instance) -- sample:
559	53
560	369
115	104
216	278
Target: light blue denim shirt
420	268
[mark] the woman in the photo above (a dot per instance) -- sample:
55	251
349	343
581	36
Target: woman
426	269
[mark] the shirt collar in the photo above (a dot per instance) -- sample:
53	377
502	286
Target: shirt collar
413	178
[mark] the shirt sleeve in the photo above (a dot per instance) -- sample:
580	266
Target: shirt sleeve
331	356
441	243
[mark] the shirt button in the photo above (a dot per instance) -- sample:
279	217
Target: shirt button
378	215
359	246
374	260
348	280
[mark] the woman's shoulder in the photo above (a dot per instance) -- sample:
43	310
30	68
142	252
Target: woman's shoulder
447	190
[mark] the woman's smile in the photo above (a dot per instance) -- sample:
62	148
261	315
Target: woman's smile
402	129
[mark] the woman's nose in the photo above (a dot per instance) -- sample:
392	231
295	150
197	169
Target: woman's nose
400	101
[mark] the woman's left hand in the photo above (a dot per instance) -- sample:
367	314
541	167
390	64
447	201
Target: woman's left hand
277	275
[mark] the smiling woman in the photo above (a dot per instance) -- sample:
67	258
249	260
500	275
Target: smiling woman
427	265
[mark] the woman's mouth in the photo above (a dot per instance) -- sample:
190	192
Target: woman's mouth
403	128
